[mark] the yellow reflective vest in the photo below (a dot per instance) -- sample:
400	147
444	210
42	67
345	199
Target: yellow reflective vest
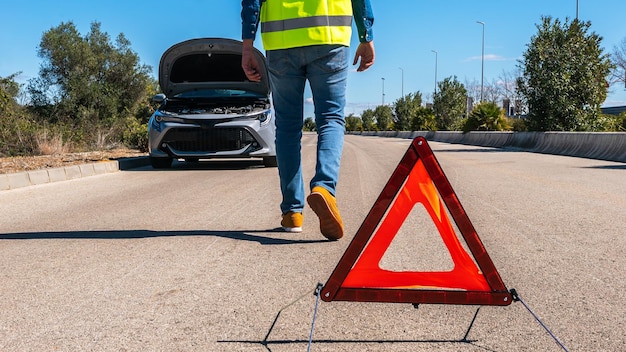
295	23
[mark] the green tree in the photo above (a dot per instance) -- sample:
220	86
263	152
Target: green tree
88	84
353	123
384	117
406	109
450	103
564	72
424	120
486	116
309	124
9	89
17	130
369	120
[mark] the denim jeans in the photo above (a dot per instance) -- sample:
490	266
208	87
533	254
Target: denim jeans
326	69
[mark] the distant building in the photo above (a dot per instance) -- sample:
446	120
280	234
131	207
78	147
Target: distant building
613	110
508	109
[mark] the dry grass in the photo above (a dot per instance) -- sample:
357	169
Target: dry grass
53	145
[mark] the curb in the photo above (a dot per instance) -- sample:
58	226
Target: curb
40	177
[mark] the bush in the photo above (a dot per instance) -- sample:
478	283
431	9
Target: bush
424	120
309	125
517	124
354	123
135	135
613	123
17	135
486	116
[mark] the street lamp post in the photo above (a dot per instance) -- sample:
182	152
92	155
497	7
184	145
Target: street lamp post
401	69
576	9
383	79
482	72
436	61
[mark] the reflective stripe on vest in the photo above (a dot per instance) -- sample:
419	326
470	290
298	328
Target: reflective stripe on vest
295	23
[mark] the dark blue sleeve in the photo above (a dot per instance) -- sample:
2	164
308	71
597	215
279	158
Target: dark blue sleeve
250	13
364	19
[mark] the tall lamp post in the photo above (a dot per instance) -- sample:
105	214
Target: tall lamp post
576	9
383	79
482	72
436	59
401	69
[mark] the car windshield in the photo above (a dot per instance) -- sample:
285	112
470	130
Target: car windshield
218	93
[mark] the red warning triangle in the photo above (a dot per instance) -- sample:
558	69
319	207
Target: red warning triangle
418	180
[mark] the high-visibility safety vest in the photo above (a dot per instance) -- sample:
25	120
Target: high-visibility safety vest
294	23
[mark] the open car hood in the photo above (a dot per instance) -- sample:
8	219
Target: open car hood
208	63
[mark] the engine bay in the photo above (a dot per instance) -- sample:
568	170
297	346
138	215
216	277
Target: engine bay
183	107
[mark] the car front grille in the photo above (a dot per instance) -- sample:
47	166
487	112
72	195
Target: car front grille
209	140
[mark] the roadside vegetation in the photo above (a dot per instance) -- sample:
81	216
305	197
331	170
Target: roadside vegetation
558	85
93	93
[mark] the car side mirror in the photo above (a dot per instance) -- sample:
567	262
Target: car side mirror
159	98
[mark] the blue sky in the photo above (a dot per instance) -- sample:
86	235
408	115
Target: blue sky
405	33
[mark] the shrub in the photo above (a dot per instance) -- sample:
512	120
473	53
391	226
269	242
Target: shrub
486	116
424	120
17	135
135	134
517	124
613	123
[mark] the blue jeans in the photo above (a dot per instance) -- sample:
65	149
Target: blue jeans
326	69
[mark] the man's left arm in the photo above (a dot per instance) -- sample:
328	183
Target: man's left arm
250	14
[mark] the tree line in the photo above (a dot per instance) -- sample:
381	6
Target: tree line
559	85
92	92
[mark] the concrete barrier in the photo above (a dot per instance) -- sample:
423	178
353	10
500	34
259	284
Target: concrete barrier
593	145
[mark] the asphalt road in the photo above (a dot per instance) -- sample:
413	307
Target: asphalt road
188	259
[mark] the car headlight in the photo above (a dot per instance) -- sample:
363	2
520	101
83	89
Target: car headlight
164	117
263	117
155	124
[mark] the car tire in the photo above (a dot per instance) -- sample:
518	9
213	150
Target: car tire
161	163
270	161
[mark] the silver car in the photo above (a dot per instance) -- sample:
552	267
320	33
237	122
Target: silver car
208	108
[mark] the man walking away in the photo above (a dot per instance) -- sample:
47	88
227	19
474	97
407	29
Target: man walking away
308	40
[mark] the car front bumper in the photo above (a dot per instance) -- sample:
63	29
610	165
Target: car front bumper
211	140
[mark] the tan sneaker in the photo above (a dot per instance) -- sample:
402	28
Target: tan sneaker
292	222
325	206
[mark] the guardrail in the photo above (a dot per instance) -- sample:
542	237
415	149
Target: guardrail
593	145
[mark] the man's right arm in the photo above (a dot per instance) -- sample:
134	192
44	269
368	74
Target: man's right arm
250	10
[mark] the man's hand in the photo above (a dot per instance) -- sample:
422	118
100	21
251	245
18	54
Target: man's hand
366	53
249	62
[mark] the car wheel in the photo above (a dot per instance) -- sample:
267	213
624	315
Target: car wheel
270	161
161	163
